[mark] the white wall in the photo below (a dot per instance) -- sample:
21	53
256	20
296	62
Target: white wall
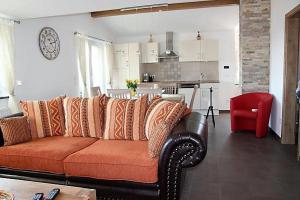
278	10
44	79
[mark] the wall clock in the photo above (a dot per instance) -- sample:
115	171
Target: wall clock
49	43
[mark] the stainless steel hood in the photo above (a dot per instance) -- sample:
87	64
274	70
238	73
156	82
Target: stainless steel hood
169	53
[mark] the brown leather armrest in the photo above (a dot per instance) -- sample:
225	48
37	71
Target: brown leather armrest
185	147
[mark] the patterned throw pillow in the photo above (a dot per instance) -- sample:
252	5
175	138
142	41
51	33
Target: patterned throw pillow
46	118
85	116
125	119
15	130
152	105
160	122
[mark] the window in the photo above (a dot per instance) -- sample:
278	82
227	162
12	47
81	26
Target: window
99	70
94	60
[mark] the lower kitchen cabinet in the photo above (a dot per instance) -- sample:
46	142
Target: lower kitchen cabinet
205	97
188	92
202	98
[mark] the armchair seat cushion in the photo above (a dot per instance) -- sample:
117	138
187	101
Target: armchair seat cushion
244	113
45	154
114	160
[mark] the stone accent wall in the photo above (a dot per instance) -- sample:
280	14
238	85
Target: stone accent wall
255	44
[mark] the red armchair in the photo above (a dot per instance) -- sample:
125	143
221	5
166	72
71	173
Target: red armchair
243	117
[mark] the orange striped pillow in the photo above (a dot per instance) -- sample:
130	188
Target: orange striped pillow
85	116
15	130
125	119
46	118
160	122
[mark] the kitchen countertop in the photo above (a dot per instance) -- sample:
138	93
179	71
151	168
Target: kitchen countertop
183	82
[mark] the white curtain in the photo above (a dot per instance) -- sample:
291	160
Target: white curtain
95	60
81	47
101	57
7	73
109	64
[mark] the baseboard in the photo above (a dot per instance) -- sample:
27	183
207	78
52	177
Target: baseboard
273	134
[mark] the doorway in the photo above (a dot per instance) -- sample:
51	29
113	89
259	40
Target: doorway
291	70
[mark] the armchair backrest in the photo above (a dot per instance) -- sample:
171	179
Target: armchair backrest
251	100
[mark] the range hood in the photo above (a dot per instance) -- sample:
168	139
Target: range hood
169	53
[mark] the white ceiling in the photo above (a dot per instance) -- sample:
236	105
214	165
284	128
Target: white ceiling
204	20
25	9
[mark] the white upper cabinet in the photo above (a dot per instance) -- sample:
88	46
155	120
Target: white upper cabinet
121	56
134	61
150	52
190	50
198	50
210	50
127	64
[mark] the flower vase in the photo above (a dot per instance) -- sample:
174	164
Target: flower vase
133	92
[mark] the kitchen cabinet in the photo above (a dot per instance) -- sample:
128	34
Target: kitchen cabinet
121	56
198	50
127	64
134	61
209	50
188	92
190	50
150	52
205	96
202	97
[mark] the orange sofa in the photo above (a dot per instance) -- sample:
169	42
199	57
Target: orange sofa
117	169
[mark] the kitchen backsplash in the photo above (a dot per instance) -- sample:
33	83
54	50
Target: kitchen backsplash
172	70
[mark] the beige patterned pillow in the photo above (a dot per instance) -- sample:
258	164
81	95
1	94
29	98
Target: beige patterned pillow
46	118
162	119
125	119
85	116
15	130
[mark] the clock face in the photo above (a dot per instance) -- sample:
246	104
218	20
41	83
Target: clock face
49	43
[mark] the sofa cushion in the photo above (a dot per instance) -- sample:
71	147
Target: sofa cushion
125	119
160	123
46	118
15	130
85	116
114	160
45	154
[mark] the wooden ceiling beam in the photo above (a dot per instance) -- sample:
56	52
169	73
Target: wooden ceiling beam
166	7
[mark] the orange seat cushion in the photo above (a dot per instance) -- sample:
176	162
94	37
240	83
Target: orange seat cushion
114	160
44	154
245	114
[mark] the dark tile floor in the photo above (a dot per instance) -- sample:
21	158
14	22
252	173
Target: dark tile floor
239	166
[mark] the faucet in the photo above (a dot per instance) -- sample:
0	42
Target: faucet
202	76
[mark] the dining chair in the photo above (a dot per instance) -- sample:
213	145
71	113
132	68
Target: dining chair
95	91
119	93
152	92
193	96
169	88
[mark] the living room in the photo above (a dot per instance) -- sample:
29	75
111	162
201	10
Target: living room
214	80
